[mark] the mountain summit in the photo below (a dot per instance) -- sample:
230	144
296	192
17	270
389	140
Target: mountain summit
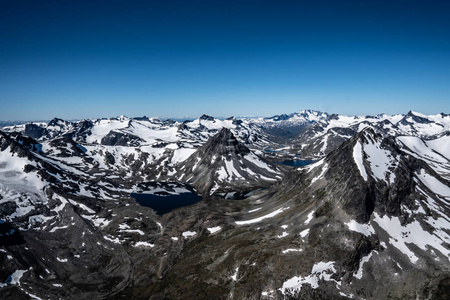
223	164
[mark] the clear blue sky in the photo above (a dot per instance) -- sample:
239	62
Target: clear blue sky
168	58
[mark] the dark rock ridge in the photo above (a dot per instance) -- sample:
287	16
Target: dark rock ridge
114	138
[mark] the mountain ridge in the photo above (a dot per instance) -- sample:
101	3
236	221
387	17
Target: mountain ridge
375	208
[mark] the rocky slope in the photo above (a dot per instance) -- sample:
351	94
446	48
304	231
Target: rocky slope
368	221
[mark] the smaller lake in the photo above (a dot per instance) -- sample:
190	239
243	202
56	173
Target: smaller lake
164	204
239	195
9	236
296	162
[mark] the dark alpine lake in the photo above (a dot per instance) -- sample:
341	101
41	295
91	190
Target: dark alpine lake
165	204
296	162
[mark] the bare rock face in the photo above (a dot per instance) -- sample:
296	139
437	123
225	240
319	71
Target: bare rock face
120	139
34	131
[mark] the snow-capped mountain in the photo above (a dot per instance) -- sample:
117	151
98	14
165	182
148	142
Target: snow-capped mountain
223	164
287	126
325	135
369	220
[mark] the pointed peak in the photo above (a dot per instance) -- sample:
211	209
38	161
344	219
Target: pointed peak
225	142
415	117
56	121
281	117
205	117
410	114
225	133
368	133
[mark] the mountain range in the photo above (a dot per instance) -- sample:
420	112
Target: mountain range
369	218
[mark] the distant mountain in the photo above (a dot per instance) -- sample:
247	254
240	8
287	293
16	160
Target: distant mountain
324	136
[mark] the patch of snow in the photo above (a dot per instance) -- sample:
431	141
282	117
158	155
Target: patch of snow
309	218
284	234
411	233
304	233
365	229
180	155
361	264
320	271
32	296
291	250
324	170
133	231
114	240
124	226
433	184
144	244
15	277
57	228
312	166
358	157
188	234
256	220
213	230
234	276
61	259
252	158
380	161
253	210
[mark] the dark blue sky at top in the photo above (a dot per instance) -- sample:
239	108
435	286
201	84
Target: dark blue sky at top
85	59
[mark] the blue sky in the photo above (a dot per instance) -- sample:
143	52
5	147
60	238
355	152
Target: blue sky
86	59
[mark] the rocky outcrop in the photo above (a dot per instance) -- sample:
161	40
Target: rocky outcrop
114	138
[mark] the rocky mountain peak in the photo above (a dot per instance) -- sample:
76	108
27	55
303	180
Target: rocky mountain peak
223	143
224	164
58	122
412	117
282	117
368	173
205	117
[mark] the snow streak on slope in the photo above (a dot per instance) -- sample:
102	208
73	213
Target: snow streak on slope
358	157
259	219
382	162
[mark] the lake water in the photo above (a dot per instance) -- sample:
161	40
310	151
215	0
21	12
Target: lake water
165	204
9	236
296	162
